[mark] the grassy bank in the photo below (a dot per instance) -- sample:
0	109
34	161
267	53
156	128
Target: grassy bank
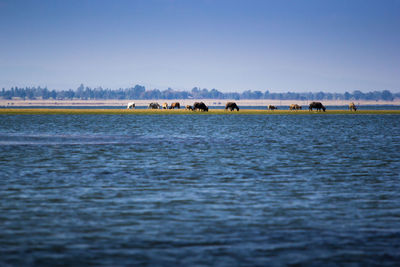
40	111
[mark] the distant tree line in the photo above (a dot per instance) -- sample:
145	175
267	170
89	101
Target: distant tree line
140	92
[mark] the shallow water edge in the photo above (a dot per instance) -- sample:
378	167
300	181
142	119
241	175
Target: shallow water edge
48	111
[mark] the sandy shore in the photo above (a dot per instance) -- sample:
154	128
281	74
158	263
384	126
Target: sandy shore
220	111
209	102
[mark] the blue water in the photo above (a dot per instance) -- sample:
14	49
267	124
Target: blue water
280	107
248	190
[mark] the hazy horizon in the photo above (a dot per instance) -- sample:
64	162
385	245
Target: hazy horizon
232	46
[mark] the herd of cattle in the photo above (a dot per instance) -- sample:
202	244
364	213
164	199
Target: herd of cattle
200	106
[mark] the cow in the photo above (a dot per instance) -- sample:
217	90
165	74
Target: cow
189	107
175	105
131	105
231	106
294	107
165	106
200	106
271	107
352	106
316	105
154	106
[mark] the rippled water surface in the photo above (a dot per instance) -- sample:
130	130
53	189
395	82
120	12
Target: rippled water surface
199	190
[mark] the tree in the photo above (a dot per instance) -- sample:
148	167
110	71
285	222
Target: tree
139	92
358	95
387	95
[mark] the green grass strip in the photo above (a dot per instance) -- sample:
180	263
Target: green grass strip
61	111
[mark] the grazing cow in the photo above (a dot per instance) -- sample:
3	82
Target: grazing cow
131	105
231	106
154	106
294	107
165	106
175	105
200	106
352	106
316	105
189	107
271	107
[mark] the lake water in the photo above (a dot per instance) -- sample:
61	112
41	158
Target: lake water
173	190
280	107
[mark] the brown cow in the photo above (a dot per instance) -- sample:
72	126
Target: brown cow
175	105
352	106
294	107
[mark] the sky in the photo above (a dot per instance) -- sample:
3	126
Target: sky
229	45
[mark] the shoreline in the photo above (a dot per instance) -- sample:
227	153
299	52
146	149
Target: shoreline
78	111
184	102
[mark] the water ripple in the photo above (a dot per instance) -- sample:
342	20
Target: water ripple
199	190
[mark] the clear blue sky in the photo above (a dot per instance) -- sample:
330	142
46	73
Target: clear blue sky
333	46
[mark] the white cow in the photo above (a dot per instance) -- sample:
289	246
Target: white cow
131	105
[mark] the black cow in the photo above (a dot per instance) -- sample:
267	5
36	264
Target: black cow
231	106
316	105
154	106
271	107
200	106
